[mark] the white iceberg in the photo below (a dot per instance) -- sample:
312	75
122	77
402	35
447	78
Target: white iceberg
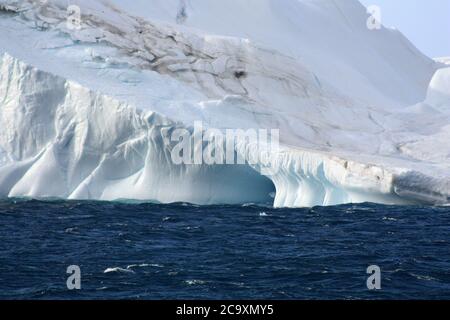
86	104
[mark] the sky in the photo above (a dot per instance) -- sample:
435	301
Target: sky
425	22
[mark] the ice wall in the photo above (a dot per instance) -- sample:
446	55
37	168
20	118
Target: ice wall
92	123
66	141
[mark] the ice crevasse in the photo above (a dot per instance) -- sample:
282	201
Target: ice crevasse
85	112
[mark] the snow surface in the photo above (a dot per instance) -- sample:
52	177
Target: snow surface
363	115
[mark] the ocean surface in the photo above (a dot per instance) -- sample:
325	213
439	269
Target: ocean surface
181	251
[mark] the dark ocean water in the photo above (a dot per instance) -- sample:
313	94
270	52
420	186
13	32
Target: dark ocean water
222	252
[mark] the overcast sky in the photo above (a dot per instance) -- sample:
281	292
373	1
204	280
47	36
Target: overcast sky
425	22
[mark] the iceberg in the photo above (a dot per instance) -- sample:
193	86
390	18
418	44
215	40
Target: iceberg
90	95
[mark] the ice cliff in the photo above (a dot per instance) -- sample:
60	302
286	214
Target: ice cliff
88	102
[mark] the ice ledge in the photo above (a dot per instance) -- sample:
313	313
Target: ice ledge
306	178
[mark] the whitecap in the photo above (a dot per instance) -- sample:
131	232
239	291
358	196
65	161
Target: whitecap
250	204
118	269
194	282
423	277
144	265
71	230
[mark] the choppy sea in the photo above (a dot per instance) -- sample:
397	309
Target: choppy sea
183	251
